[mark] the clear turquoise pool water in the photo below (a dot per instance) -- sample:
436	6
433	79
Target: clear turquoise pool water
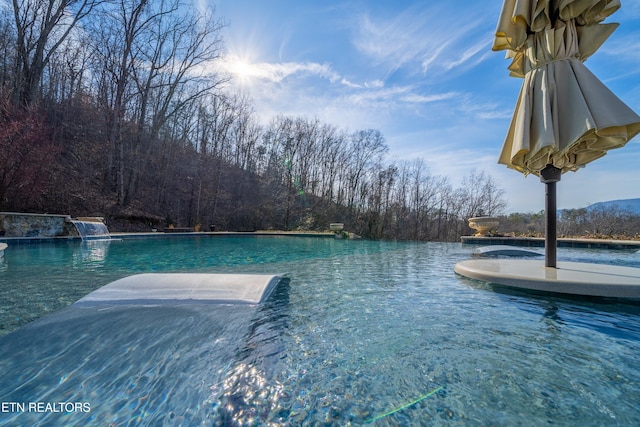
360	330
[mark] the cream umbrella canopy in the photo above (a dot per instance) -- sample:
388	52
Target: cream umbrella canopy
565	117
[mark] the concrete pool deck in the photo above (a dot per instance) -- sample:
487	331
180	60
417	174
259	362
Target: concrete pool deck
563	242
159	234
225	233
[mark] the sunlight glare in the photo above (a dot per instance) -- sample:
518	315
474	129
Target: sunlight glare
243	70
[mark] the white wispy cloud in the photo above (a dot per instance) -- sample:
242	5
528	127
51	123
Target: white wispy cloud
384	94
395	96
473	55
365	85
415	98
277	72
431	37
622	48
483	109
494	114
374	84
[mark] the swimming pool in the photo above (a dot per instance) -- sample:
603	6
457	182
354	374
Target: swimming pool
360	332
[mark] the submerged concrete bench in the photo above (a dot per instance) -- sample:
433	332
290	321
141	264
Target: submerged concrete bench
163	288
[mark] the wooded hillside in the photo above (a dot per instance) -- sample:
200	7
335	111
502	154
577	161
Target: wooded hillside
119	108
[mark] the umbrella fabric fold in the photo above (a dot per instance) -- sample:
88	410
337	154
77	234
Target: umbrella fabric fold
565	116
520	18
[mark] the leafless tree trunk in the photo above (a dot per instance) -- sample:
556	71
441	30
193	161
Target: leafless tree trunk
42	26
118	28
177	49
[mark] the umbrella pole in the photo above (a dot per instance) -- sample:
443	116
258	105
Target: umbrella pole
549	176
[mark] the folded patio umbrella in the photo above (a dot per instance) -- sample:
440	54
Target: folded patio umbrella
565	117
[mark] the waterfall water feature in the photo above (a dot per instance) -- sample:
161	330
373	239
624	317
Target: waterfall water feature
91	228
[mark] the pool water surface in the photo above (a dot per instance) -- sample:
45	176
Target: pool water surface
362	332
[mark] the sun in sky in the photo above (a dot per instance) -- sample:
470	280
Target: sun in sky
242	69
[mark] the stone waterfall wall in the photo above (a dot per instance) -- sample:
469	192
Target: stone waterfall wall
36	225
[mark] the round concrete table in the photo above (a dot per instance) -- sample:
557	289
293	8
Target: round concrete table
574	278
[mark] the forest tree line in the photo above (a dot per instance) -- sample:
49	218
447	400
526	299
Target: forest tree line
609	222
119	108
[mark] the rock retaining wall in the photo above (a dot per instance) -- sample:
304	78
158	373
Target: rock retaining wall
36	225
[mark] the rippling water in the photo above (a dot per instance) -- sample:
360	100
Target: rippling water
363	332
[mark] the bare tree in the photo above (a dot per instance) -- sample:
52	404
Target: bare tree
175	52
7	53
366	149
42	26
25	149
479	195
154	62
117	29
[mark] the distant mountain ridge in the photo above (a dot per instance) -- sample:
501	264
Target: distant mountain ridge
632	205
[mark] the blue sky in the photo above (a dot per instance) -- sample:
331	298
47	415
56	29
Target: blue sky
423	73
